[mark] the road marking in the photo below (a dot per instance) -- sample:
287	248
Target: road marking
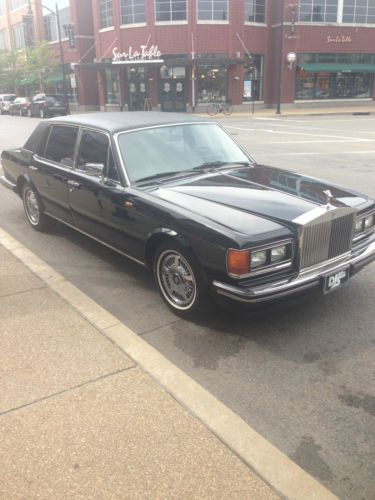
271	131
316	153
273	466
307	142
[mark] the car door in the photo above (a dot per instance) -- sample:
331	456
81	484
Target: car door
53	167
96	192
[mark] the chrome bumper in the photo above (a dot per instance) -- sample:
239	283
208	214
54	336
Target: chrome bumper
5	182
292	286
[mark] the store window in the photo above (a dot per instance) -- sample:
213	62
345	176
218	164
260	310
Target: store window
170	10
1	8
253	80
105	14
319	11
212	83
133	11
112	88
321	85
359	11
255	11
3	40
212	10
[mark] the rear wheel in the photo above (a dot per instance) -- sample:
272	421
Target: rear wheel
212	109
179	279
29	113
34	208
42	113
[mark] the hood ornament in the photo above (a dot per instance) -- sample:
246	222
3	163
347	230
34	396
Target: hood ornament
330	198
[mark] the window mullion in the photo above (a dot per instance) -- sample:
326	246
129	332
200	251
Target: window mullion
340	11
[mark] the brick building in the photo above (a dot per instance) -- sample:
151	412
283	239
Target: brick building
179	54
195	51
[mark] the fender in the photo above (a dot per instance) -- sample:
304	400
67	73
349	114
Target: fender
161	234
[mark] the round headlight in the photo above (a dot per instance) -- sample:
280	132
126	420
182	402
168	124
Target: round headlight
258	259
369	221
278	253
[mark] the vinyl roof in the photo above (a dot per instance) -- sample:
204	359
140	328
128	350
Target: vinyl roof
128	120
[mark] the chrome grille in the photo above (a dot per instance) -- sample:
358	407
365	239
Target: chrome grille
326	239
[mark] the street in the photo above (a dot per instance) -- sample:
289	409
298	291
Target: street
301	373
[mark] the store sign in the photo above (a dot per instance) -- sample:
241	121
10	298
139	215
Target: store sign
144	53
339	39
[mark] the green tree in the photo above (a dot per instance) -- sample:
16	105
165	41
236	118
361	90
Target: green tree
40	65
11	69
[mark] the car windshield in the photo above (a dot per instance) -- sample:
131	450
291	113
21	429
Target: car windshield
164	151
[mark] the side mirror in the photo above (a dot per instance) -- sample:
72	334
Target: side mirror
94	169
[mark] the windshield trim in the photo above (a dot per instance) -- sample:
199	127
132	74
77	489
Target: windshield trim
121	132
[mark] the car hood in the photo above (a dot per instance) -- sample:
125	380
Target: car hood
268	192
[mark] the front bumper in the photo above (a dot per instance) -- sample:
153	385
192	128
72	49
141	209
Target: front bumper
293	286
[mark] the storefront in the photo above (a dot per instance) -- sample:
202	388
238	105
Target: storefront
334	76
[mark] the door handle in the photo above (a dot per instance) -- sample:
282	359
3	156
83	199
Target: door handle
74	184
31	167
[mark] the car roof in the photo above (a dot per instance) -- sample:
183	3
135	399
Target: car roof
128	120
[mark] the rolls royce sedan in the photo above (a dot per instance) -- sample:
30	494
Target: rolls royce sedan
177	194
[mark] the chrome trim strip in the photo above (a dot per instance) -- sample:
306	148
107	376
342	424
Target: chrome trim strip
52	164
96	239
7	183
268	292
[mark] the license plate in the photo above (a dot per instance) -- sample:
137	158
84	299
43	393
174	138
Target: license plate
336	280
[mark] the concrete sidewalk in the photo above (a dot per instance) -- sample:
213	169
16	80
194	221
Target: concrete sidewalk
88	409
80	419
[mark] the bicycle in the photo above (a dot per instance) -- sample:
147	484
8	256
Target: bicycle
220	107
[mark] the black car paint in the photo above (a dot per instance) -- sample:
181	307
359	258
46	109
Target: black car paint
208	213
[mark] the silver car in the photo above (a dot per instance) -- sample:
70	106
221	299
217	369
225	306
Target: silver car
5	101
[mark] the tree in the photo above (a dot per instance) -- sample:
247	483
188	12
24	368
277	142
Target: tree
40	65
11	68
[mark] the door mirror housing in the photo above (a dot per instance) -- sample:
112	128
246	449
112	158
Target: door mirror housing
94	169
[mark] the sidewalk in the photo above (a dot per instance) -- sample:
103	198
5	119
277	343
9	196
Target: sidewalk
304	111
88	409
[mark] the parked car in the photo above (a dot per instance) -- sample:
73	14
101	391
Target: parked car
19	106
179	195
5	101
47	105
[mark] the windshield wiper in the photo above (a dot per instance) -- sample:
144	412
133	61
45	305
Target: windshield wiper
218	163
159	176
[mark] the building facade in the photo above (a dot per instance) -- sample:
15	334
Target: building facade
179	55
183	54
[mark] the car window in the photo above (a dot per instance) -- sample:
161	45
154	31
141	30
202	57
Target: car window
93	149
61	145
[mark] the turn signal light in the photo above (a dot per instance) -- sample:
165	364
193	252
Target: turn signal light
238	262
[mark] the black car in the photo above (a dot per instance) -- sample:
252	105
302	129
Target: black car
179	195
47	105
19	106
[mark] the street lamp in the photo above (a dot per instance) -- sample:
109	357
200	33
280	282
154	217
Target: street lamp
280	61
56	14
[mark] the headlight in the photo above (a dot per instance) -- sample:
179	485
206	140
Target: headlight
278	253
369	221
258	259
359	226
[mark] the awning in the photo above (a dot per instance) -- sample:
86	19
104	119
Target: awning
337	68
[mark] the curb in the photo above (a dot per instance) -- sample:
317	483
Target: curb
268	462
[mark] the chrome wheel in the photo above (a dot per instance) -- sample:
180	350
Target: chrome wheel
176	279
31	206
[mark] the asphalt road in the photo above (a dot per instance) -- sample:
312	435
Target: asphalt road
302	374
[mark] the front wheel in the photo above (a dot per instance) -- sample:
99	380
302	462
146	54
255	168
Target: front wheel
227	109
34	208
212	109
42	113
29	113
179	279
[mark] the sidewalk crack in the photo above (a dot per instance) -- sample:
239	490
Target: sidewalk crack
55	394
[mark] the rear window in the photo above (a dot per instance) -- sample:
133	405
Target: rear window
9	98
61	145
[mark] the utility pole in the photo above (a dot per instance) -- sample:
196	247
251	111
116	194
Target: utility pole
280	61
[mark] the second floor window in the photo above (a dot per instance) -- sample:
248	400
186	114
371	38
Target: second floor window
133	11
18	36
170	10
15	4
319	11
254	11
3	40
105	14
212	10
359	11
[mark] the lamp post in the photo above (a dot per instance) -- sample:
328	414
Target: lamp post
280	61
62	63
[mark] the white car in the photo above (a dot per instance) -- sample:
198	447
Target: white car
5	101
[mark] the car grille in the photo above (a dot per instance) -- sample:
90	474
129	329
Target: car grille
326	240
